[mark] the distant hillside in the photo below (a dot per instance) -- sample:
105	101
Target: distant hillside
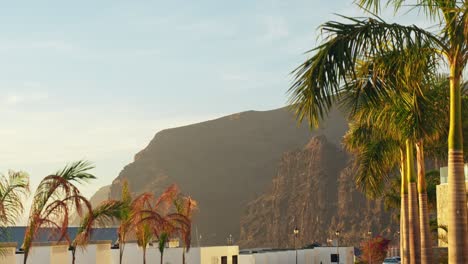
226	164
101	195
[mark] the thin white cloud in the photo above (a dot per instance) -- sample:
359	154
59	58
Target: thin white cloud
275	27
19	98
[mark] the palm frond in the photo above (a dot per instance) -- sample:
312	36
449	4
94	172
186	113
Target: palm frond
13	191
106	212
77	171
319	80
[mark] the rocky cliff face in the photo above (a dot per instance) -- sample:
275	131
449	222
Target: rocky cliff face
314	191
227	163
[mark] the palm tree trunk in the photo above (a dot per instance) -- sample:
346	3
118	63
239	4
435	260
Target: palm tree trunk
413	219
425	233
162	254
121	251
404	235
183	255
457	218
144	254
73	255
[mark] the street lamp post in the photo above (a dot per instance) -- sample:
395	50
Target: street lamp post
296	232
398	248
369	233
337	233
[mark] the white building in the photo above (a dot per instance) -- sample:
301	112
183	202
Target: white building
101	253
318	255
203	255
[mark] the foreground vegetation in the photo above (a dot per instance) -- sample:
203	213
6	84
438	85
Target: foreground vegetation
374	47
144	218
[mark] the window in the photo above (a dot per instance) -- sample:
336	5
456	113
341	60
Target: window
234	259
335	258
223	260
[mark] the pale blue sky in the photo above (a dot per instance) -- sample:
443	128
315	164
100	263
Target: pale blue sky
97	79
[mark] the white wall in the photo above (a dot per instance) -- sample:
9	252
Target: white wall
204	255
246	259
7	254
46	253
319	255
133	254
98	252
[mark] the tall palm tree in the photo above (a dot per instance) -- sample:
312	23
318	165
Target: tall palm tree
55	197
376	155
408	116
106	212
318	80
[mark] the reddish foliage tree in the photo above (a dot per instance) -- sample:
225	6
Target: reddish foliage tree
374	250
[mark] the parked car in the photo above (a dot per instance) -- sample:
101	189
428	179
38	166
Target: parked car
392	260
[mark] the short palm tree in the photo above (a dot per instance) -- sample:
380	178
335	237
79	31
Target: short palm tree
185	206
53	201
13	190
142	229
106	212
164	223
125	218
162	240
319	80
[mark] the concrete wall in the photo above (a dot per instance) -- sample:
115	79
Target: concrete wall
7	253
442	211
53	253
95	252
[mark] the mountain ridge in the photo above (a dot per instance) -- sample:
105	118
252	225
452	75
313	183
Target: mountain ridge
225	163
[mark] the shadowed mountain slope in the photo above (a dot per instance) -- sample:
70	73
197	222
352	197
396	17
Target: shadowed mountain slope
223	163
